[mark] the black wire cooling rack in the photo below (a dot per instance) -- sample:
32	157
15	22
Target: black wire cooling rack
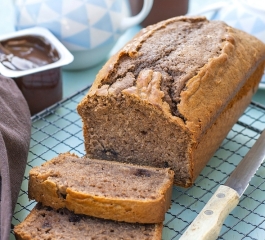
58	129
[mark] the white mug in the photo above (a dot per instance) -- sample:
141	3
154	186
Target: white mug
88	28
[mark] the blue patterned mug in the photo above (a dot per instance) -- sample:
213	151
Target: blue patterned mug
88	28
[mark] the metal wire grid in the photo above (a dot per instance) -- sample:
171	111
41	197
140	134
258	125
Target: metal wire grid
59	129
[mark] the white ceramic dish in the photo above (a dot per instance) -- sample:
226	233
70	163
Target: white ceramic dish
65	56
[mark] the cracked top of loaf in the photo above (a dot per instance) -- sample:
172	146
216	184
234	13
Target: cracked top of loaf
175	63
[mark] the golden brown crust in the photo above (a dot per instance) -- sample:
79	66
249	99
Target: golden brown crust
226	73
201	103
45	190
222	125
158	231
18	229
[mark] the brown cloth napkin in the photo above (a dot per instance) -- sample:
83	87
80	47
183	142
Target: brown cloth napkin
15	126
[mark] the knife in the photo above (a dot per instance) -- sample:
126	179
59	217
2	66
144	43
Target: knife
207	225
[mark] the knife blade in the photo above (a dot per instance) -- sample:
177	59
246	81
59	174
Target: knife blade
207	225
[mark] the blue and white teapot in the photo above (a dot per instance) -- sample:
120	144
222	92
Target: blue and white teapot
88	28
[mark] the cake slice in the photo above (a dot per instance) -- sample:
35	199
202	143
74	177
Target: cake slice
46	223
103	189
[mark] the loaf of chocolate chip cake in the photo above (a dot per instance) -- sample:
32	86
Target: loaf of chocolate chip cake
169	97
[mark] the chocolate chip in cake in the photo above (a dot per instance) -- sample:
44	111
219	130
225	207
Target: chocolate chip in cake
142	173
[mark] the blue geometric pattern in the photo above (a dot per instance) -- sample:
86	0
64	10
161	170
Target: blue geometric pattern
100	3
246	15
74	22
78	15
116	7
34	9
238	25
230	15
81	38
54	27
258	26
56	5
104	23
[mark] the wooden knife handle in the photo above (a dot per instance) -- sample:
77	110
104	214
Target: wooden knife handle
207	225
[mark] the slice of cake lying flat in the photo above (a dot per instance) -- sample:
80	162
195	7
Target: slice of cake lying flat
46	223
103	189
170	96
